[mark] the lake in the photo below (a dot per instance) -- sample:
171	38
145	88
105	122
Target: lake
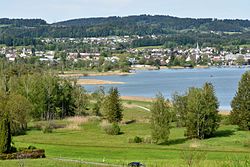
167	81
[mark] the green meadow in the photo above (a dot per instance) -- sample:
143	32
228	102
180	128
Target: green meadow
150	47
84	140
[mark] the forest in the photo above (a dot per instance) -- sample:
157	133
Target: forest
17	32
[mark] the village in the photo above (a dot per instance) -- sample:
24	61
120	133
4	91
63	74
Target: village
109	49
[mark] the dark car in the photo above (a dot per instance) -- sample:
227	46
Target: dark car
135	164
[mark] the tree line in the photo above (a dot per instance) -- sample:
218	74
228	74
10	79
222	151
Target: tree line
30	94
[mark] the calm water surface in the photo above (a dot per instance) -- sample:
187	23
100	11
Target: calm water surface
148	83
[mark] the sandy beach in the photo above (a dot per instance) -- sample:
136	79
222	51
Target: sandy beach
96	82
137	98
224	112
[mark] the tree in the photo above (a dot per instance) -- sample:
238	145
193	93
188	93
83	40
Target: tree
5	129
65	98
179	103
99	96
202	112
19	109
81	100
63	59
5	133
160	119
240	60
112	106
240	114
211	106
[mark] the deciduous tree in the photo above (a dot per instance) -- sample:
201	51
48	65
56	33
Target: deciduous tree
202	112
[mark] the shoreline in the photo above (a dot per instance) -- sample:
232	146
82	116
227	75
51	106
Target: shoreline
75	74
87	74
96	82
138	98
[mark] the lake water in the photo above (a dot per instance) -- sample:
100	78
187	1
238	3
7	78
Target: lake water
166	81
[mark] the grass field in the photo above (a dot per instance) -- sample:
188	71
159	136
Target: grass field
150	47
89	143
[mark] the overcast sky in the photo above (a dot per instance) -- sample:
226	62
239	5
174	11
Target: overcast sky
58	10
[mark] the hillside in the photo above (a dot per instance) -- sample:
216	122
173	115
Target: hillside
22	22
183	31
160	23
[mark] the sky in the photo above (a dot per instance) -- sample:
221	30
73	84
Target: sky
59	10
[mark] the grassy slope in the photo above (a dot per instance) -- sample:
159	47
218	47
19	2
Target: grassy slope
90	143
150	47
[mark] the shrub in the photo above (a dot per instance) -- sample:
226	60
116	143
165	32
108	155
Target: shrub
136	139
128	122
41	125
225	120
31	147
247	143
47	128
129	102
111	129
148	140
85	74
13	149
24	153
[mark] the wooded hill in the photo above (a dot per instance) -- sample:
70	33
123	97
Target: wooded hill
24	31
158	24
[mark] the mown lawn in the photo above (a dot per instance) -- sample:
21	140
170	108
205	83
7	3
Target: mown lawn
90	143
41	163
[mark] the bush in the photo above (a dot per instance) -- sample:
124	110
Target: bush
129	102
147	140
31	147
41	125
24	153
136	139
47	128
85	74
225	120
13	149
247	143
112	129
